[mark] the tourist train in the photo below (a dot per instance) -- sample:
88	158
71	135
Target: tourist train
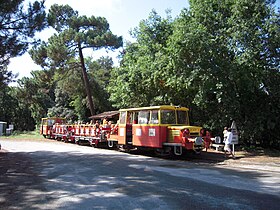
164	129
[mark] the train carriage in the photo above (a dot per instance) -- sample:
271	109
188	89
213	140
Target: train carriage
48	129
165	129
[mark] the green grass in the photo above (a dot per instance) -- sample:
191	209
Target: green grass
24	135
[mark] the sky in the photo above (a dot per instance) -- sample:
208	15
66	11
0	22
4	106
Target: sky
122	16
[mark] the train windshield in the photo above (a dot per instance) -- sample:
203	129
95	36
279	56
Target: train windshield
51	122
143	117
122	117
182	117
168	117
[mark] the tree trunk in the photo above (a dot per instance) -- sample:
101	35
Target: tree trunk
86	81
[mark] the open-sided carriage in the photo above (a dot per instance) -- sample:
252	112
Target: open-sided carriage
165	129
48	129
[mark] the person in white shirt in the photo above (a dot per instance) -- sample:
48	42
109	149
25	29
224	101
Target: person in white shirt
225	133
228	142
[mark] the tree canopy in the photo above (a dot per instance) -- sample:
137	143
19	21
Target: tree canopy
74	33
219	58
18	26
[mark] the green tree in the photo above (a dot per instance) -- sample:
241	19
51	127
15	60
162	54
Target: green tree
74	33
6	77
70	99
99	72
142	79
13	111
221	59
62	106
229	50
37	93
17	28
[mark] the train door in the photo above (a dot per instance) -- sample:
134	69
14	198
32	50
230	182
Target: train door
43	128
125	128
147	131
129	120
122	128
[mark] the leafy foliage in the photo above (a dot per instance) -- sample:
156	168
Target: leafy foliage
37	93
75	33
231	44
142	79
218	58
18	26
17	29
14	111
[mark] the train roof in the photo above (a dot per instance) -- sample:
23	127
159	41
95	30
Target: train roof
51	118
168	107
109	114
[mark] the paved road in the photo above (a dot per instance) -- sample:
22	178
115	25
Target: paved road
55	175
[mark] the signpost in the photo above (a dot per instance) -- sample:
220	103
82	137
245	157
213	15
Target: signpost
234	135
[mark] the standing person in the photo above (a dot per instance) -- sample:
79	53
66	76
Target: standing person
228	142
225	133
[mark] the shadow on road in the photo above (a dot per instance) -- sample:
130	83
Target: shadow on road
49	180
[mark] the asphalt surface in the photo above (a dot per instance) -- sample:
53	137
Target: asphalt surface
55	175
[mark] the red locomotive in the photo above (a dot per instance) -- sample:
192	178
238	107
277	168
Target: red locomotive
47	128
164	129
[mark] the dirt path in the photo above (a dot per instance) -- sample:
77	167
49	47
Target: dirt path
17	177
26	183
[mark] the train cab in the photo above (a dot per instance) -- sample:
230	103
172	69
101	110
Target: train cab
165	129
47	128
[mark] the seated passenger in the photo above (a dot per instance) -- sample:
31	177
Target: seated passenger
115	128
96	128
105	121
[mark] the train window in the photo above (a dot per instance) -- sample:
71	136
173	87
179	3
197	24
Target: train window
122	117
182	117
135	118
168	117
129	118
154	117
143	117
51	122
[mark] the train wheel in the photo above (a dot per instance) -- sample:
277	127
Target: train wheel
197	151
165	152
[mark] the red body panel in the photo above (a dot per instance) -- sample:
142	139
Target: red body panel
77	130
122	134
148	135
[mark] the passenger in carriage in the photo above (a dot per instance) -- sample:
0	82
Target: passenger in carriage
109	125
114	129
96	128
106	128
105	122
97	125
53	127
